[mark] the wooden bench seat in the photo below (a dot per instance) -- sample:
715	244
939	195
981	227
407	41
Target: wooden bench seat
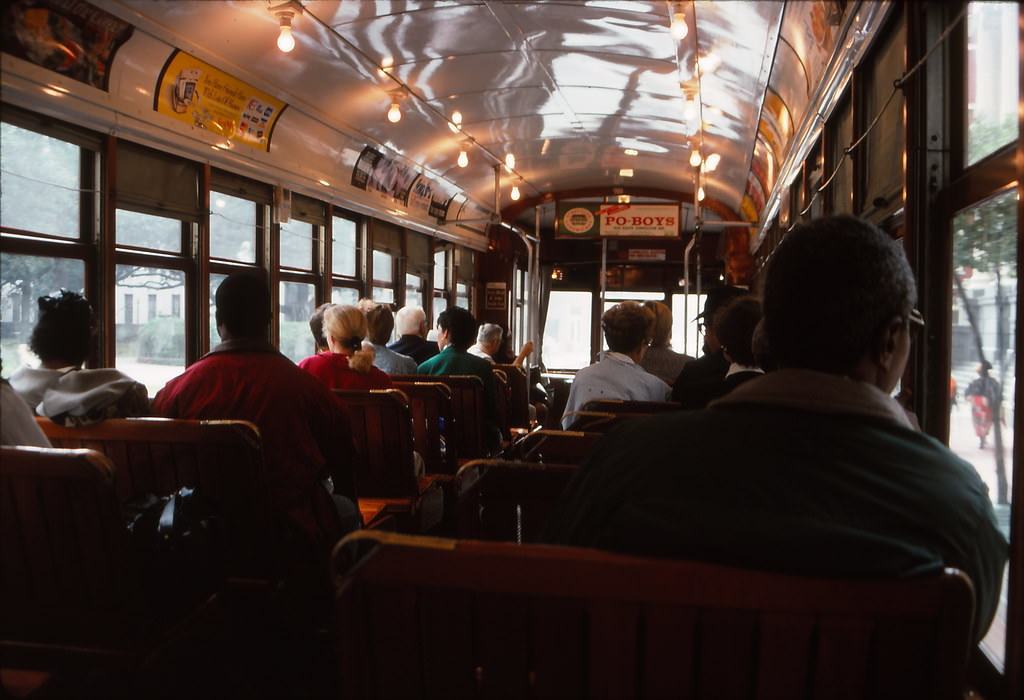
386	481
507	500
466	432
427	617
553	446
222	459
70	594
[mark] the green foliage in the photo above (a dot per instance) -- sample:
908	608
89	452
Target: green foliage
985	236
296	342
162	341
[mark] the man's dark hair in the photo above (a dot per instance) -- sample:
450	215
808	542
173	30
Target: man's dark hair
625	326
831	288
460	325
64	329
380	322
243	305
316	326
716	298
734	325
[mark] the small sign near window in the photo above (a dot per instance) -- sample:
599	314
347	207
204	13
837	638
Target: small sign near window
646	254
496	296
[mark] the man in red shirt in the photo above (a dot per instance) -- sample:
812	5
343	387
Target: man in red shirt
305	429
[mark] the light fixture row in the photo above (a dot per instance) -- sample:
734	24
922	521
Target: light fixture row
286	12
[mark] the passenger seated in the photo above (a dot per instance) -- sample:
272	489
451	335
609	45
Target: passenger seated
60	389
660	359
734	327
411	322
712	364
456	328
17	422
347	364
617	375
488	342
812	469
316	327
305	429
379	323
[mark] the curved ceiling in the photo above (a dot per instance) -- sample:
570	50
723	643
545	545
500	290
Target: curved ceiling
579	92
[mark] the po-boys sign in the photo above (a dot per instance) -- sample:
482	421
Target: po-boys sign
611	220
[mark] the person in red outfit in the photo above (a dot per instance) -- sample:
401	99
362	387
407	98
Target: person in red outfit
347	364
307	439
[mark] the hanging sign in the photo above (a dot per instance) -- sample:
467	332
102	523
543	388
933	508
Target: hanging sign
617	220
199	94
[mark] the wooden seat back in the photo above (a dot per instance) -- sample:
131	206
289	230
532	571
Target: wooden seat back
382	434
504	392
431	407
423	617
506	500
469	416
597	421
223	459
519	386
64	570
618	406
553	446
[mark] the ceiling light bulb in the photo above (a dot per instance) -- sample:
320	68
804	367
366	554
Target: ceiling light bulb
690	109
679	26
631	152
463	160
285	40
456	123
695	158
386	64
623	199
510	161
712	162
395	113
514	194
700	194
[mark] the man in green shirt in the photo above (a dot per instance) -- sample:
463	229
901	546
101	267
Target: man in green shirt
456	332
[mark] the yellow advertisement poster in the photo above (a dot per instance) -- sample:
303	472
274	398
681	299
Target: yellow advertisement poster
196	93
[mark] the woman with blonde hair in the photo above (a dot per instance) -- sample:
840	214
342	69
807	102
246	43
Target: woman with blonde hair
348	363
660	359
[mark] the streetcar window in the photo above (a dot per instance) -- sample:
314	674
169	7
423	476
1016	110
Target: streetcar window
296	304
232	228
383	277
344	247
686	336
462	297
983	355
148	231
567	331
40	183
414	286
297	245
215	281
344	295
25	278
150	339
993	62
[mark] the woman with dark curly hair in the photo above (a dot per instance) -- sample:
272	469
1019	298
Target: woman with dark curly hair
59	388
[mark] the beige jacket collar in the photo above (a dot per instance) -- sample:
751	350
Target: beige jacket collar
818	392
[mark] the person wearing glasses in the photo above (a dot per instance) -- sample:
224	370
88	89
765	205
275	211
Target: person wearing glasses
814	468
712	365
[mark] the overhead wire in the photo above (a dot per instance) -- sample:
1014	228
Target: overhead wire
897	85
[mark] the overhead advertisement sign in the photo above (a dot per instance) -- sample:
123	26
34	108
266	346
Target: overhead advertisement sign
617	220
70	37
199	94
